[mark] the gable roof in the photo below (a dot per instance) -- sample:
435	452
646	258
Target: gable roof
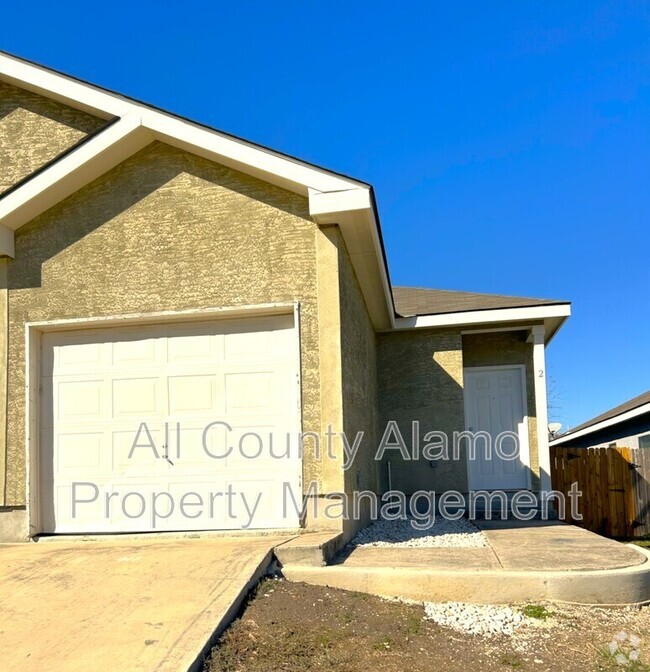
111	105
413	301
333	198
625	411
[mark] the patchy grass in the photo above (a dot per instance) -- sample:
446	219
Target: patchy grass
414	624
624	653
512	661
644	543
293	627
611	662
384	645
538	611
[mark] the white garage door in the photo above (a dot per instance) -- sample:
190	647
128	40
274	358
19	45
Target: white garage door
179	427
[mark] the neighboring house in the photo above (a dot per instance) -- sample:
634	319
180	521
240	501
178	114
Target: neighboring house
155	270
626	426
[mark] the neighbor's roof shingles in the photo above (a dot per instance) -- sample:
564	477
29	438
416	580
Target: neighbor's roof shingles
630	405
412	301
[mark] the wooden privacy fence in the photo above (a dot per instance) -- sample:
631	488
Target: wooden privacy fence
614	487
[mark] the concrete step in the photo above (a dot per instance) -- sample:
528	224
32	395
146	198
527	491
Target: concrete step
609	587
311	549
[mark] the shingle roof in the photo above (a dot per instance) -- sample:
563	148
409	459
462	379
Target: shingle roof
412	301
630	405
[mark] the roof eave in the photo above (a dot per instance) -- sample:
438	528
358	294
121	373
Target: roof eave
354	212
553	316
332	197
604	424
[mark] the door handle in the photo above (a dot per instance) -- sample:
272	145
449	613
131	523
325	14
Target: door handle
165	455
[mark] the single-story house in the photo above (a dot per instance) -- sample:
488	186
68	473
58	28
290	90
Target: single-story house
162	282
625	426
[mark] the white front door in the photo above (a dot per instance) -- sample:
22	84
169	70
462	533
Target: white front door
495	404
127	440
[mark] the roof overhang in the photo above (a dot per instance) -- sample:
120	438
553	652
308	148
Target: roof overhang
604	424
552	316
354	212
333	198
274	167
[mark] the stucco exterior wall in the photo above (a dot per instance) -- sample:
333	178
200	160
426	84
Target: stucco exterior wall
348	382
4	305
502	349
165	230
420	377
34	130
359	378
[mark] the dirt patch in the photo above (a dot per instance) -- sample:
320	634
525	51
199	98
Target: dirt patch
293	627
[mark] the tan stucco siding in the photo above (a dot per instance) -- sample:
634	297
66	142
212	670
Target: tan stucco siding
420	377
503	349
35	130
348	385
359	375
4	294
165	230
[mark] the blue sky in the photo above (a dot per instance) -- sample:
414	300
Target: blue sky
508	142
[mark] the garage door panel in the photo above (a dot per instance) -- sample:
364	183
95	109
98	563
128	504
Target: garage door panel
102	385
129	507
261	503
63	516
137	452
201	505
73	355
76	400
218	449
139	353
249	393
196	443
66	356
248	347
79	452
86	354
192	394
258	444
137	397
192	349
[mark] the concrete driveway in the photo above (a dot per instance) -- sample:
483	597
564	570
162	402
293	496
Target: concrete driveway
149	604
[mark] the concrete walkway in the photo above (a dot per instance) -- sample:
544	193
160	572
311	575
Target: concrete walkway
523	562
122	605
532	546
553	546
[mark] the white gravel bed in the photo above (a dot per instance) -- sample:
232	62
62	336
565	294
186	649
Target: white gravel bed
400	533
486	620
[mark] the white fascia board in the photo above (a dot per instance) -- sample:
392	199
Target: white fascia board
629	415
267	165
383	271
63	89
329	205
87	162
270	166
531	313
7	245
352	210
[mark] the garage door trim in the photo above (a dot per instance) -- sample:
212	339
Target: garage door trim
33	341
